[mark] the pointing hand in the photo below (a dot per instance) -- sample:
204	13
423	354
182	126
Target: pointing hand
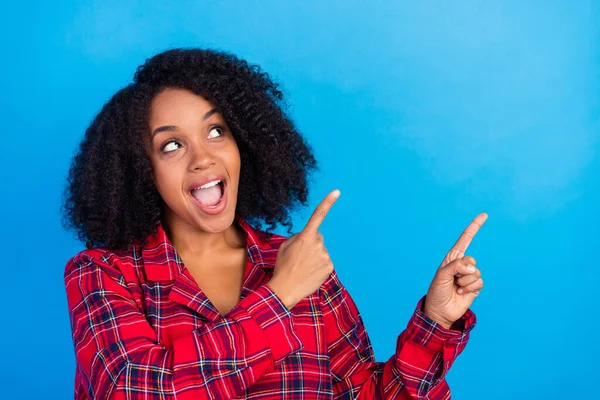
303	262
457	281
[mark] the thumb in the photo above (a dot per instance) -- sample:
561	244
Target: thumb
460	266
289	241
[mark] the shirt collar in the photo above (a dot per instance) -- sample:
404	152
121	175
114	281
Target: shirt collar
162	263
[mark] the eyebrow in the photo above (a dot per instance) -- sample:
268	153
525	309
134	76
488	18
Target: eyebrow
171	128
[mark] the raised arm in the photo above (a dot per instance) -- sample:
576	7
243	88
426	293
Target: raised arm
436	333
424	352
120	356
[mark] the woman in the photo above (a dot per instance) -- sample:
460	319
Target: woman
179	294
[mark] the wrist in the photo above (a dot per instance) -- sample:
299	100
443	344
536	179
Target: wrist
441	322
436	318
283	295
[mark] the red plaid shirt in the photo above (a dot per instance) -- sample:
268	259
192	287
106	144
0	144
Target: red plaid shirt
142	328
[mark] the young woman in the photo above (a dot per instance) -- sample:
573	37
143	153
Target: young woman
180	294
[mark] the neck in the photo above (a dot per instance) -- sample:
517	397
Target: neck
190	240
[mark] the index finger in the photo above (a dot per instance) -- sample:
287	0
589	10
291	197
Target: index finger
467	236
320	212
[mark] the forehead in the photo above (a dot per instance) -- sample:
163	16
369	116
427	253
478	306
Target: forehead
178	104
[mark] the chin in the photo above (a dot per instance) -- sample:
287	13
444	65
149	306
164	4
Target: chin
217	223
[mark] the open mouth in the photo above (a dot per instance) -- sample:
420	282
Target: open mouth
210	197
221	186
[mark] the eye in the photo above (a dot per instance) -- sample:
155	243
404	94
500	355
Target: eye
217	129
168	147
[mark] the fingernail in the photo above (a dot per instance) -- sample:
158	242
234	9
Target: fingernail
471	268
336	193
460	291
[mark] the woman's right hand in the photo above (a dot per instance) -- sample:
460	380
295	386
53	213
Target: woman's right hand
303	262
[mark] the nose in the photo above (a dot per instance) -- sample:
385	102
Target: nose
202	157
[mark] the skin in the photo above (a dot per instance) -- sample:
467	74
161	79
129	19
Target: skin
457	281
213	246
452	290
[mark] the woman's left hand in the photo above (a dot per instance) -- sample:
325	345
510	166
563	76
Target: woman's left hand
457	281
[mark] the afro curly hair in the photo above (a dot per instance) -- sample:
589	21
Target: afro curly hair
110	199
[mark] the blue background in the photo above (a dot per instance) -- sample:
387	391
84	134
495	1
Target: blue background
423	114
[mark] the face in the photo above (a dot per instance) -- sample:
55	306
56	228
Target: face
191	146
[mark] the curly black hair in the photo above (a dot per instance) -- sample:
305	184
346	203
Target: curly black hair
110	199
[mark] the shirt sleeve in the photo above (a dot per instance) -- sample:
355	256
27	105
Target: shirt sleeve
119	355
424	353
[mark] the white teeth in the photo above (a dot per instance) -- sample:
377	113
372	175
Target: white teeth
209	184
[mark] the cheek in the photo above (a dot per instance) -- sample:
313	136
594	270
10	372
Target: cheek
234	161
167	182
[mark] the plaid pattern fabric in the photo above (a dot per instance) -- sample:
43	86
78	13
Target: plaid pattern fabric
143	329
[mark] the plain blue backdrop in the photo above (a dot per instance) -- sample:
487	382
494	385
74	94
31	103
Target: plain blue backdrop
423	114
